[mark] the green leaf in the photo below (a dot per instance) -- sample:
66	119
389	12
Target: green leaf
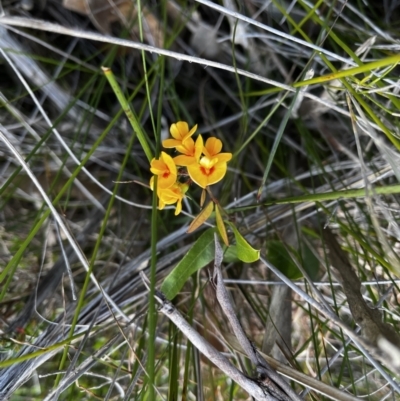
245	252
231	255
280	258
201	253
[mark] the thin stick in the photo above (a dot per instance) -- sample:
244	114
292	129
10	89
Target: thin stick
272	380
255	389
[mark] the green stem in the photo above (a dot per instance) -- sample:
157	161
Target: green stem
325	196
129	113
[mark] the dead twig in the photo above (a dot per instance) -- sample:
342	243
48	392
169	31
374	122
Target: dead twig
255	388
275	384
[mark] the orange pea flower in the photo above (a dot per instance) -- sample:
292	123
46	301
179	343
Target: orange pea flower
205	164
180	132
165	169
207	171
212	150
191	152
171	195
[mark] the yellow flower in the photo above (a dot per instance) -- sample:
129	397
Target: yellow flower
172	195
165	169
207	171
191	152
180	132
212	148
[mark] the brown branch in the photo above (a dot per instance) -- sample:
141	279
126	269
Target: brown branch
275	384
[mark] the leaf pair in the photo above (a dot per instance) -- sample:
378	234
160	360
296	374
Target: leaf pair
201	254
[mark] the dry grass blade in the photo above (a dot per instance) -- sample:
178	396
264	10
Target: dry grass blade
277	387
254	388
369	319
49	283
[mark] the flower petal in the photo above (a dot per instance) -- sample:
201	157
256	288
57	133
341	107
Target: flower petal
179	130
157	167
183	160
196	174
168	196
223	157
191	132
171	143
169	162
165	182
217	173
161	204
178	207
165	169
186	147
208	163
212	147
198	146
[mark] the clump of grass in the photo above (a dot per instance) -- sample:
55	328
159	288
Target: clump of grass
305	98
